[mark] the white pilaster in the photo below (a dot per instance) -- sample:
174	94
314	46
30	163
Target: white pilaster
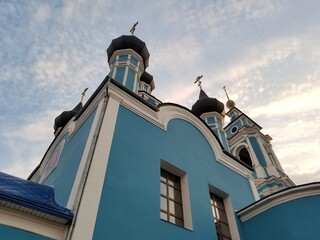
276	158
254	189
272	171
89	204
84	159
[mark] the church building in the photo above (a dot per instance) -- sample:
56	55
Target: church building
126	166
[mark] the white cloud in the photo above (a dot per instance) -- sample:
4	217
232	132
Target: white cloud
197	17
295	143
34	129
259	57
244	73
305	97
292	122
42	13
50	72
27	143
305	178
173	55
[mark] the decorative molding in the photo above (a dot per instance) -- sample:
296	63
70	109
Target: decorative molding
233	227
187	216
32	223
231	218
278	198
93	134
237	149
93	105
133	104
254	189
169	112
128	52
85	218
252	131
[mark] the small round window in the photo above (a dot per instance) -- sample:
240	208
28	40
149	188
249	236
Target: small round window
234	129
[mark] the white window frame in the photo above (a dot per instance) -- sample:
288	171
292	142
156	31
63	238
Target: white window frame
187	217
233	227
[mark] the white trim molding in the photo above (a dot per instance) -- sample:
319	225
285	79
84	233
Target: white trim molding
233	227
187	214
89	203
88	148
278	198
168	112
31	223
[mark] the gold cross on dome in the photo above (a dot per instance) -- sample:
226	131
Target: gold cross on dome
225	89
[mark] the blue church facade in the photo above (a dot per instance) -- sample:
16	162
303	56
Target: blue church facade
127	166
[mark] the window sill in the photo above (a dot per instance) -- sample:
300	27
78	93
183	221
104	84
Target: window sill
190	230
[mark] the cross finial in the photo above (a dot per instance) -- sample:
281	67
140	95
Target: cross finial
83	94
225	89
133	28
198	81
230	103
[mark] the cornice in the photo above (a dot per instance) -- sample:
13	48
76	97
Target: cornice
249	131
278	198
32	221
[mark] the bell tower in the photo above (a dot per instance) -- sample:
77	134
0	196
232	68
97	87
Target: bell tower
250	145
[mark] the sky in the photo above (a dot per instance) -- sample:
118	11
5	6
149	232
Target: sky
266	52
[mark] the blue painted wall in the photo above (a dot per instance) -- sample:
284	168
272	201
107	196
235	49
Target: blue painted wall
11	233
295	220
130	201
62	178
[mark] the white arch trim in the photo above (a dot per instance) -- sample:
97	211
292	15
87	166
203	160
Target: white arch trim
168	112
278	198
237	149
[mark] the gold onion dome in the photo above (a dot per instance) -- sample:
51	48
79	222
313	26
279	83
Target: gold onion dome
230	104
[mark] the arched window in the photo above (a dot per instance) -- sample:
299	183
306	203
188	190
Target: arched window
245	156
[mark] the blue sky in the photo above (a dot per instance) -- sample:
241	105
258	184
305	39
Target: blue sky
266	52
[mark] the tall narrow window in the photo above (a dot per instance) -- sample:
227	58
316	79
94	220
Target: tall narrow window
170	198
220	217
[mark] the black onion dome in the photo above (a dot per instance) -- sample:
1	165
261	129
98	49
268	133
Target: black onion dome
206	104
65	117
148	79
130	42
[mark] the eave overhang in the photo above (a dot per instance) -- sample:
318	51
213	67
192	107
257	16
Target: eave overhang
285	195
